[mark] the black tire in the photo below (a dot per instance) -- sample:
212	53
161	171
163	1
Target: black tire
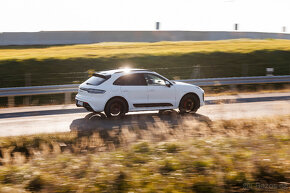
161	111
95	116
116	108
189	103
88	116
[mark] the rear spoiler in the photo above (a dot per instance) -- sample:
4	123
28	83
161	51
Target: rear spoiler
102	76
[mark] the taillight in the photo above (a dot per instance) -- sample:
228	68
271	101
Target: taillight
93	91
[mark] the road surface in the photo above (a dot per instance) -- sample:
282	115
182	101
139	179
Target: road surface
63	118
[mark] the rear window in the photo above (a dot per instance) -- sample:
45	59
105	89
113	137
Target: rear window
97	80
131	80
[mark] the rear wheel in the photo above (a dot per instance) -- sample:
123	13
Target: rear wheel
115	108
188	103
161	111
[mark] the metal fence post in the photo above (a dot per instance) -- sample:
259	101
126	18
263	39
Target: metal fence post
67	98
27	99
196	71
11	101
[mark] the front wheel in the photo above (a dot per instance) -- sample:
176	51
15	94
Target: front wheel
115	108
188	103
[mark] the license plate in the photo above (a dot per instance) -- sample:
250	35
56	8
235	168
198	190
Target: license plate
80	103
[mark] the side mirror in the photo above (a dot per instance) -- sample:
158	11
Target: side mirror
167	83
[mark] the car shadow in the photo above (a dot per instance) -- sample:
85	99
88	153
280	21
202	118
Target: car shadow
99	122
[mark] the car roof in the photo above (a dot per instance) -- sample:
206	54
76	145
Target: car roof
120	70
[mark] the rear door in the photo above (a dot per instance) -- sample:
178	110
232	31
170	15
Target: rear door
134	89
159	95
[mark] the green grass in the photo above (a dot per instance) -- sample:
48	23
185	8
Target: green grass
224	156
68	63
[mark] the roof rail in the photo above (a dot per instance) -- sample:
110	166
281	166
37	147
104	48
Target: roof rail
132	70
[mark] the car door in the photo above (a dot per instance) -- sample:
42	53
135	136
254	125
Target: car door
160	94
134	89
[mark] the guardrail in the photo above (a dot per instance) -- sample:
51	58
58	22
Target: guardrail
238	80
72	88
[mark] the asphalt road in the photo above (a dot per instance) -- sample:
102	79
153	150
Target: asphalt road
60	118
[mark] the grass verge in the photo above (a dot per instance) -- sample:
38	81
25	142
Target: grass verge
222	156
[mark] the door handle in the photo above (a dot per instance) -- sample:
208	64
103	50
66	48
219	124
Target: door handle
125	91
151	90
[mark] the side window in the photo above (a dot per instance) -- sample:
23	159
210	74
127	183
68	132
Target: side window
131	80
154	80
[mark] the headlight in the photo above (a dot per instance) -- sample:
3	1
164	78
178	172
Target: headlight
93	91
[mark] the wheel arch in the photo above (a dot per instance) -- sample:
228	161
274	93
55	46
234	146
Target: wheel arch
195	95
118	97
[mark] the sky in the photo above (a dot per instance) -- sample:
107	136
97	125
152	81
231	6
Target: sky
192	15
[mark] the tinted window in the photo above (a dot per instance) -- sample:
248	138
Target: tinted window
154	80
94	80
131	80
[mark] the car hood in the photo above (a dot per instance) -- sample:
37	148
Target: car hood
182	83
186	85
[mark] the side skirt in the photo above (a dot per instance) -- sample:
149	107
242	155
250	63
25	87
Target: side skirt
153	105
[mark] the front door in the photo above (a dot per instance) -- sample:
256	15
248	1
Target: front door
159	94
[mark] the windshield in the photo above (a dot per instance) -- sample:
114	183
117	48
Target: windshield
95	80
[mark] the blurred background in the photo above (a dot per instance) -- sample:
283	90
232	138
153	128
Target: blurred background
238	51
64	42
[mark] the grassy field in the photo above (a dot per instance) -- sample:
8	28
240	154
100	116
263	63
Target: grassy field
250	155
122	49
70	63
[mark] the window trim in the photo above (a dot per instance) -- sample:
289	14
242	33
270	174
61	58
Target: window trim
159	76
114	83
105	78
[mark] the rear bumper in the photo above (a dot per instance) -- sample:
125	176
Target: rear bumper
91	104
85	105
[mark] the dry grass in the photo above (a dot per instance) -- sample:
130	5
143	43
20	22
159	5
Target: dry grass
247	89
195	156
96	140
237	92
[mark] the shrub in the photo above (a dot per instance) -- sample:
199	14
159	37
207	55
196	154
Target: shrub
204	187
35	184
172	148
266	173
142	148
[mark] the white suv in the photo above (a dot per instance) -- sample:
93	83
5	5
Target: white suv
119	91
